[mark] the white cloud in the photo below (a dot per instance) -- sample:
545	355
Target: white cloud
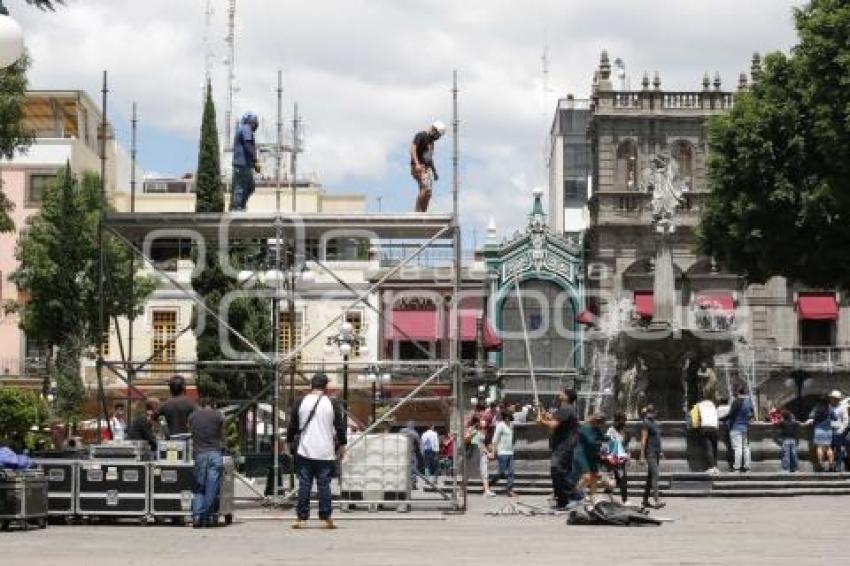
369	73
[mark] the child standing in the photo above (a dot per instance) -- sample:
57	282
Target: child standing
788	427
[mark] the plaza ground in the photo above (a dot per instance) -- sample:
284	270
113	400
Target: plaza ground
804	530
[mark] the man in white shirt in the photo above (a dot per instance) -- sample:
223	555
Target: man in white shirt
117	423
431	451
317	426
708	423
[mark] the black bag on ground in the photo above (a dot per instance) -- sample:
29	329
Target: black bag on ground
609	513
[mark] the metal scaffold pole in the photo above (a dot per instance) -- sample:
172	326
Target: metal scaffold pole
101	328
131	268
457	370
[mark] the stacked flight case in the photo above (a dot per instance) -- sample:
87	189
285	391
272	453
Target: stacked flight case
23	499
61	475
113	488
171	489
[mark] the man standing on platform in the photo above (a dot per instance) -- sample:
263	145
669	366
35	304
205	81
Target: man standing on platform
422	162
244	162
207	428
564	426
431	451
317	436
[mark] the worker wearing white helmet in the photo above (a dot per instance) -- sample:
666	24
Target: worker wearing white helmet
422	162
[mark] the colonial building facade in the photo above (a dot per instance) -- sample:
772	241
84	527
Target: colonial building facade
786	341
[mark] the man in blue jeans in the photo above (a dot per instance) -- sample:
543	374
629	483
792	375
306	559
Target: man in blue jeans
207	428
317	437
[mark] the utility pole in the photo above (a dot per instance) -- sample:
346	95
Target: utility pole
279	140
293	155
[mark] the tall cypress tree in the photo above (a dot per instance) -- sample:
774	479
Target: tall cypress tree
248	316
208	187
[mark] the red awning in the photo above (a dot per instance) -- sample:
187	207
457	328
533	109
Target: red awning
817	306
644	304
421	326
469	330
715	300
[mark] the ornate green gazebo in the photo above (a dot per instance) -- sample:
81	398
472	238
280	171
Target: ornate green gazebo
545	270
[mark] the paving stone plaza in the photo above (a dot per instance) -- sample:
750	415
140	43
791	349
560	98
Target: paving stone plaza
703	531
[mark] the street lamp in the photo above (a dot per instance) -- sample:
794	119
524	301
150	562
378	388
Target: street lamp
11	39
345	341
375	376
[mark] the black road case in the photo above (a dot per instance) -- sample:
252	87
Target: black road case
112	488
61	475
23	498
172	485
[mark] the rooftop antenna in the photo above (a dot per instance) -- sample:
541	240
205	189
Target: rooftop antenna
544	103
230	61
278	150
208	51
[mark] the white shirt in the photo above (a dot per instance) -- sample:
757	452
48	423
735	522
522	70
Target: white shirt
707	414
318	439
430	440
723	411
118	428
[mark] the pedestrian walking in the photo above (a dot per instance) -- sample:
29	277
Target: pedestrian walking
708	424
618	454
317	437
821	420
651	453
417	462
839	422
503	444
431	452
788	427
740	415
563	424
587	455
723	432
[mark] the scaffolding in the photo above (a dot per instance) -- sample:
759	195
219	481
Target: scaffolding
288	232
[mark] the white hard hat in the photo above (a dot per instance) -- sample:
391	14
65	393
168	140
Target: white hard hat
439	127
836	394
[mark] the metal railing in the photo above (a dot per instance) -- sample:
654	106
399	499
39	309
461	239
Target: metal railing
682	100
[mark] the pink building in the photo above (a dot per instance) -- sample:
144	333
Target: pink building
66	125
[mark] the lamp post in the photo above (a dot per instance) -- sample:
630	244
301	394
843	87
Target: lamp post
11	39
345	341
375	377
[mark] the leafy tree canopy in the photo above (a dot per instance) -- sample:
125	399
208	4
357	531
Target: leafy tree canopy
779	171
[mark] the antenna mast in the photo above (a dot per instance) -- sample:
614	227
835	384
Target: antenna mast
208	51
230	61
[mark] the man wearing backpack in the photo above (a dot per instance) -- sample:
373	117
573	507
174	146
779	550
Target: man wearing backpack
740	415
317	437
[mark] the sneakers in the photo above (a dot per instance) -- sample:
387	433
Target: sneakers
656	505
328	524
489	494
299	524
713	471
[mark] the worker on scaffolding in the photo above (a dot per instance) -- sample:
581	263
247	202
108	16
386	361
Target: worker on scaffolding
422	162
244	162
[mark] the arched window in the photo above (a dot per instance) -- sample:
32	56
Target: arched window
627	165
683	153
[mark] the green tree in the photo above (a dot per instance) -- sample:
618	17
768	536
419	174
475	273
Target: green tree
19	412
248	316
14	136
58	269
779	171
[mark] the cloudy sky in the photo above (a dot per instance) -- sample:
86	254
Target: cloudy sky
368	74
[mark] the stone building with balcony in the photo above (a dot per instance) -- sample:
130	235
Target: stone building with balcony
786	340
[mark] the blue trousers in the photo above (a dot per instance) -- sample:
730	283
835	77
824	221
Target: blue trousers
321	471
789	455
838	442
243	187
208	470
506	469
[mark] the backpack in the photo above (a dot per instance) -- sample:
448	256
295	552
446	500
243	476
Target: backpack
694	420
